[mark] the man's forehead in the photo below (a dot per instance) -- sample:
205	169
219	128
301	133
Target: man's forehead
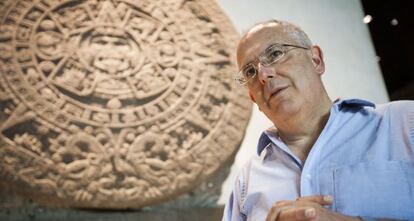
257	39
263	27
264	31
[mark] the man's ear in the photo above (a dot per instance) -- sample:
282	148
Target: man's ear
317	59
251	96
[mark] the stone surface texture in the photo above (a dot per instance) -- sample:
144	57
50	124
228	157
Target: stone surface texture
116	103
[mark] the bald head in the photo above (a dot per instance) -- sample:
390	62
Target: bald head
270	32
292	31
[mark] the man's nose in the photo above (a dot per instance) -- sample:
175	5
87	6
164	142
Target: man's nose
265	73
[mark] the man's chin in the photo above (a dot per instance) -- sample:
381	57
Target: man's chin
275	101
281	106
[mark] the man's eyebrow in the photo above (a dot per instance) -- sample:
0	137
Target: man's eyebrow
255	59
266	48
250	62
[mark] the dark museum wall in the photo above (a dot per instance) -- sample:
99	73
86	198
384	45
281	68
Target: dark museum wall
391	26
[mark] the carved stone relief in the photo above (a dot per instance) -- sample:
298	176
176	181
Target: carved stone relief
116	103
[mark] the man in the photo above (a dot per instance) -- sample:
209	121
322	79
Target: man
322	160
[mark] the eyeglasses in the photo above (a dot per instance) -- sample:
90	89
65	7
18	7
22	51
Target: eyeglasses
269	56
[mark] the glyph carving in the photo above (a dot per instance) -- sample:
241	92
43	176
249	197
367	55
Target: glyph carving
116	103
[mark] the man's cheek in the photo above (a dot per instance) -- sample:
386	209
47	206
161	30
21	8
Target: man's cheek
260	97
252	96
256	95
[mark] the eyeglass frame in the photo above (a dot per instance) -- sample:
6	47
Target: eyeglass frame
257	60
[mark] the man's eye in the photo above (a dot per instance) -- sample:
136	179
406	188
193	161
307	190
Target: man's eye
274	55
249	72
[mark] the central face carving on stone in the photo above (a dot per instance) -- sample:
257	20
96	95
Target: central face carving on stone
123	50
116	103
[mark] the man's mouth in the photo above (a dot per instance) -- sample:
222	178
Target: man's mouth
275	93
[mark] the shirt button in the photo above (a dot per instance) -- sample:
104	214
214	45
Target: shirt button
308	176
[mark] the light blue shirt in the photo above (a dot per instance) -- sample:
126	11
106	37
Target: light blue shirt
364	158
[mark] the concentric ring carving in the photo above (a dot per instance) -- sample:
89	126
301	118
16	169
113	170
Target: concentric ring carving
116	103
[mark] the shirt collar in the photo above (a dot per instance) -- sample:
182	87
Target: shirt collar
339	104
264	139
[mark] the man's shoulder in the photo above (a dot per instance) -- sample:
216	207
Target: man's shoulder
393	107
246	169
398	112
254	159
402	106
242	180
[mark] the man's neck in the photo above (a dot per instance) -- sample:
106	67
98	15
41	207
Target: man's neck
301	131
